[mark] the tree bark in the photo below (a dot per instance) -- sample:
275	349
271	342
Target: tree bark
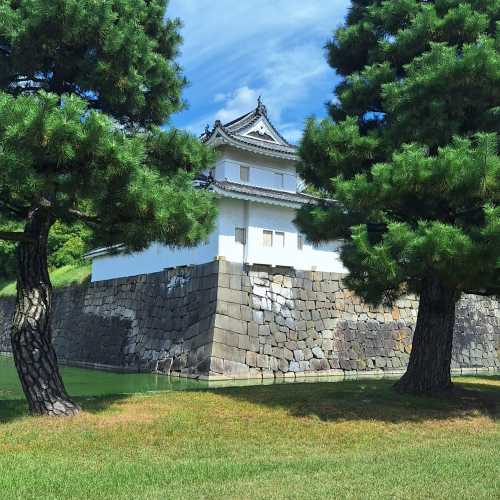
429	366
31	338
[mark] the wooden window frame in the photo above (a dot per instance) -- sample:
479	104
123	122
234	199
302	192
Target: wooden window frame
281	177
300	242
267	232
240	235
244	173
279	235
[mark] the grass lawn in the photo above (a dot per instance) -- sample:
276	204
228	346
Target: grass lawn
355	439
63	276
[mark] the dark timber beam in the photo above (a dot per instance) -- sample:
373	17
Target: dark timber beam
16	236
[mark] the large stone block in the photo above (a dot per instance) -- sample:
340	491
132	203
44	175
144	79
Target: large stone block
231	324
262	361
229	295
228	352
217	365
298	355
251	358
253	329
264	330
248	343
233	368
318	352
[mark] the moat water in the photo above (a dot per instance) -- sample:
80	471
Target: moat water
83	382
87	382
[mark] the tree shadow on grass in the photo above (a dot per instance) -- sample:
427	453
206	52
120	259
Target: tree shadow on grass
372	400
14	409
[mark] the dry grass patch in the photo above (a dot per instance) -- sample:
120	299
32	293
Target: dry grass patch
333	440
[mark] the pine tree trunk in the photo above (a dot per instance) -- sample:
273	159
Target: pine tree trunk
428	370
31	338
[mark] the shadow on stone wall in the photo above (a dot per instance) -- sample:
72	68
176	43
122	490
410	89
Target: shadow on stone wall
227	320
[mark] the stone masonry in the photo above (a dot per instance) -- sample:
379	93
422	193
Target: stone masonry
273	322
144	323
223	319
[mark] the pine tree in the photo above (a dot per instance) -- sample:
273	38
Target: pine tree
409	155
84	87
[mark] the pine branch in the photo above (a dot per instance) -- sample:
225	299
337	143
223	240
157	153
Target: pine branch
16	210
84	217
484	292
16	236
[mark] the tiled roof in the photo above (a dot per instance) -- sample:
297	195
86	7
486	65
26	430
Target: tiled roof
234	133
272	195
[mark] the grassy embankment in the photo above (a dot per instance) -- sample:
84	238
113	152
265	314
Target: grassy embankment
355	439
61	277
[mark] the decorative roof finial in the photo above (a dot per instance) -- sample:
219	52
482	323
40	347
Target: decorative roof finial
260	106
207	129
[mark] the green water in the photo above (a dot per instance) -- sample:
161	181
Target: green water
83	382
88	383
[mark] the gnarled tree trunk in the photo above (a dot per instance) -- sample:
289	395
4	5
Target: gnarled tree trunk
428	370
31	338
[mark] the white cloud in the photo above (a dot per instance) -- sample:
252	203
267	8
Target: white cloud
291	132
286	80
220	97
235	51
236	104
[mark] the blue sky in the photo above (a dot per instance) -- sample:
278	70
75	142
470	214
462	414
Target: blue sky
234	51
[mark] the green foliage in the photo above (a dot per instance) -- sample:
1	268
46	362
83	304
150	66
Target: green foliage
67	245
7	252
84	87
410	154
133	188
67	275
118	55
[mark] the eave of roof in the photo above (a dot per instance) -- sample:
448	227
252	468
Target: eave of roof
99	252
244	122
232	133
261	147
263	195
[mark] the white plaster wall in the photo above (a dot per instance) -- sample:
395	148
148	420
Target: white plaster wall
231	216
154	259
262	170
269	217
255	217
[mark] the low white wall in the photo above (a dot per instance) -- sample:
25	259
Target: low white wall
154	259
256	218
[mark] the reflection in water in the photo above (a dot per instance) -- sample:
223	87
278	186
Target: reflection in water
85	382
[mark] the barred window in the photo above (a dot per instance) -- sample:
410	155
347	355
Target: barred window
240	235
300	242
244	173
267	238
279	239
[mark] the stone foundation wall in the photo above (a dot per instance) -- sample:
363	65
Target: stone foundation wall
161	320
227	320
272	322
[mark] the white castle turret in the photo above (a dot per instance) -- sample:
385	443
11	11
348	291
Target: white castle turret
256	182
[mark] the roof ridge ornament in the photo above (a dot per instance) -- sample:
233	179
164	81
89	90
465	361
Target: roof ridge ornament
261	108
